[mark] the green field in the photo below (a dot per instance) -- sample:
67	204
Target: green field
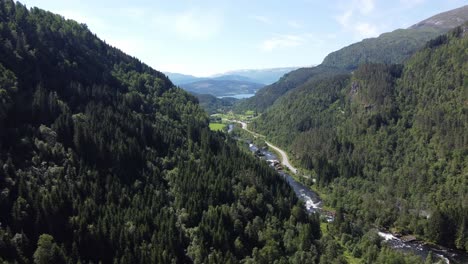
217	126
248	116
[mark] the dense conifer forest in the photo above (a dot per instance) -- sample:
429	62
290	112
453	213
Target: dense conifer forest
388	142
102	159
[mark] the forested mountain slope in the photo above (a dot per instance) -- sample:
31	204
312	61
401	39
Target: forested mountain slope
388	142
391	48
266	96
213	105
102	159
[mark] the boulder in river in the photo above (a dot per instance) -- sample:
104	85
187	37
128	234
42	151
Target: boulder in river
408	238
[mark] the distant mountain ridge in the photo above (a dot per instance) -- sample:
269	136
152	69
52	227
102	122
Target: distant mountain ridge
391	48
445	20
234	77
220	87
266	76
398	45
179	78
231	83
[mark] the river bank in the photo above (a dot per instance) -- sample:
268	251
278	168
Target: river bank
314	204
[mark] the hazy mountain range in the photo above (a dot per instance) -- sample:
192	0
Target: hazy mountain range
263	76
230	83
222	88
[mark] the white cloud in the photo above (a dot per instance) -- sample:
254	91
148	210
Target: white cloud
294	24
261	19
331	36
134	13
365	6
196	24
411	3
193	24
355	19
344	18
366	30
282	41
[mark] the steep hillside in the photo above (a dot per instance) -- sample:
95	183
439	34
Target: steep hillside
302	109
395	47
388	142
266	96
445	20
390	48
103	160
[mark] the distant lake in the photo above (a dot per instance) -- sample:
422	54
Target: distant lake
238	96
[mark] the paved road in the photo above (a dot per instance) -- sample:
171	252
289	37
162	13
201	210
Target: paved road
284	156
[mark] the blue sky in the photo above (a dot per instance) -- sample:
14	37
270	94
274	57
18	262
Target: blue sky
208	37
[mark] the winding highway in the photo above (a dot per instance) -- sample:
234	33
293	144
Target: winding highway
284	156
314	204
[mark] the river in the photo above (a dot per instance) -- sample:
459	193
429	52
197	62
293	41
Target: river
313	204
421	249
312	201
230	128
